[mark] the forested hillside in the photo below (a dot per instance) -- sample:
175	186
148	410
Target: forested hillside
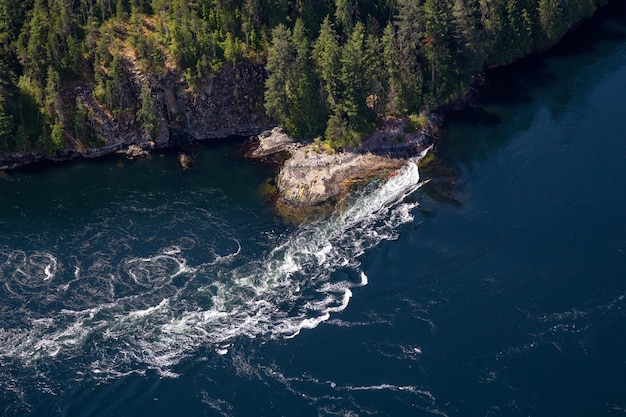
334	67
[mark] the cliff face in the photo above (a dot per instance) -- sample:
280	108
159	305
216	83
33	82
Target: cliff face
229	102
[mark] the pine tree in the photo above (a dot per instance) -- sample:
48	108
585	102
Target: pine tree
148	115
326	55
353	70
376	74
81	126
437	50
33	49
409	36
344	10
468	37
551	19
57	137
6	122
54	102
307	116
395	93
6	119
280	57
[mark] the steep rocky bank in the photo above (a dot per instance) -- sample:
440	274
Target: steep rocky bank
227	103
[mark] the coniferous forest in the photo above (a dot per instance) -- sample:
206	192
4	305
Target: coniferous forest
334	67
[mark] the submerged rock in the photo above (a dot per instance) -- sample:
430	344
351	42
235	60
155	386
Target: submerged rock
185	160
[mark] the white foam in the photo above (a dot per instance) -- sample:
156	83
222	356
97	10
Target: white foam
221	259
49	274
174	250
138	314
391	387
294	287
292	330
364	279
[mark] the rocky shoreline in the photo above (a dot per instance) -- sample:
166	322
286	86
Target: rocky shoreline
310	180
311	177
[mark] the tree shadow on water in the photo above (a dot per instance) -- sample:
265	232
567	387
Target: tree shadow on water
550	84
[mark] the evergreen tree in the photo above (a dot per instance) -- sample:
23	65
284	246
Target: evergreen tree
409	37
521	27
280	57
57	137
327	72
436	40
81	125
54	101
550	18
326	55
307	117
33	50
468	36
6	118
391	63
344	11
6	121
148	115
232	48
376	74
354	84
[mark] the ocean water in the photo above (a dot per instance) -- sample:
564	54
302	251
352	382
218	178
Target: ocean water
133	288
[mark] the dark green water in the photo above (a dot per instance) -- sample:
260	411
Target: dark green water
137	289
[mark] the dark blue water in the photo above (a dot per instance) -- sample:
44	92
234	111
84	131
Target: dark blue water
138	289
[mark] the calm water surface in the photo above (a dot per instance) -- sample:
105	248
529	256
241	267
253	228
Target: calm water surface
134	288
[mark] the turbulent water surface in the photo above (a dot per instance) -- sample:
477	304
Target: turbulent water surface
135	288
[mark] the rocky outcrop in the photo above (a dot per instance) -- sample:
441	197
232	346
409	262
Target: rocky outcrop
312	180
271	142
185	160
229	102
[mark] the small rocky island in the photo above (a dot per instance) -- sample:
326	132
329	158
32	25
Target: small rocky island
312	178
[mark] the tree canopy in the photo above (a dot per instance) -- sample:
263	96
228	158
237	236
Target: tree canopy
334	66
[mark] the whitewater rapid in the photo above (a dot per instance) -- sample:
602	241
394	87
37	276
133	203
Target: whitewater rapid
152	311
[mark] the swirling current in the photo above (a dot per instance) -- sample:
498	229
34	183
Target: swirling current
115	301
137	289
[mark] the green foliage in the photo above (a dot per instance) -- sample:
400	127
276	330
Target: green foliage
57	137
408	42
551	19
344	11
6	118
308	111
416	122
334	66
425	56
280	57
326	55
81	124
353	82
148	114
292	94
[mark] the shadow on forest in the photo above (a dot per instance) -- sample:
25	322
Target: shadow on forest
512	97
